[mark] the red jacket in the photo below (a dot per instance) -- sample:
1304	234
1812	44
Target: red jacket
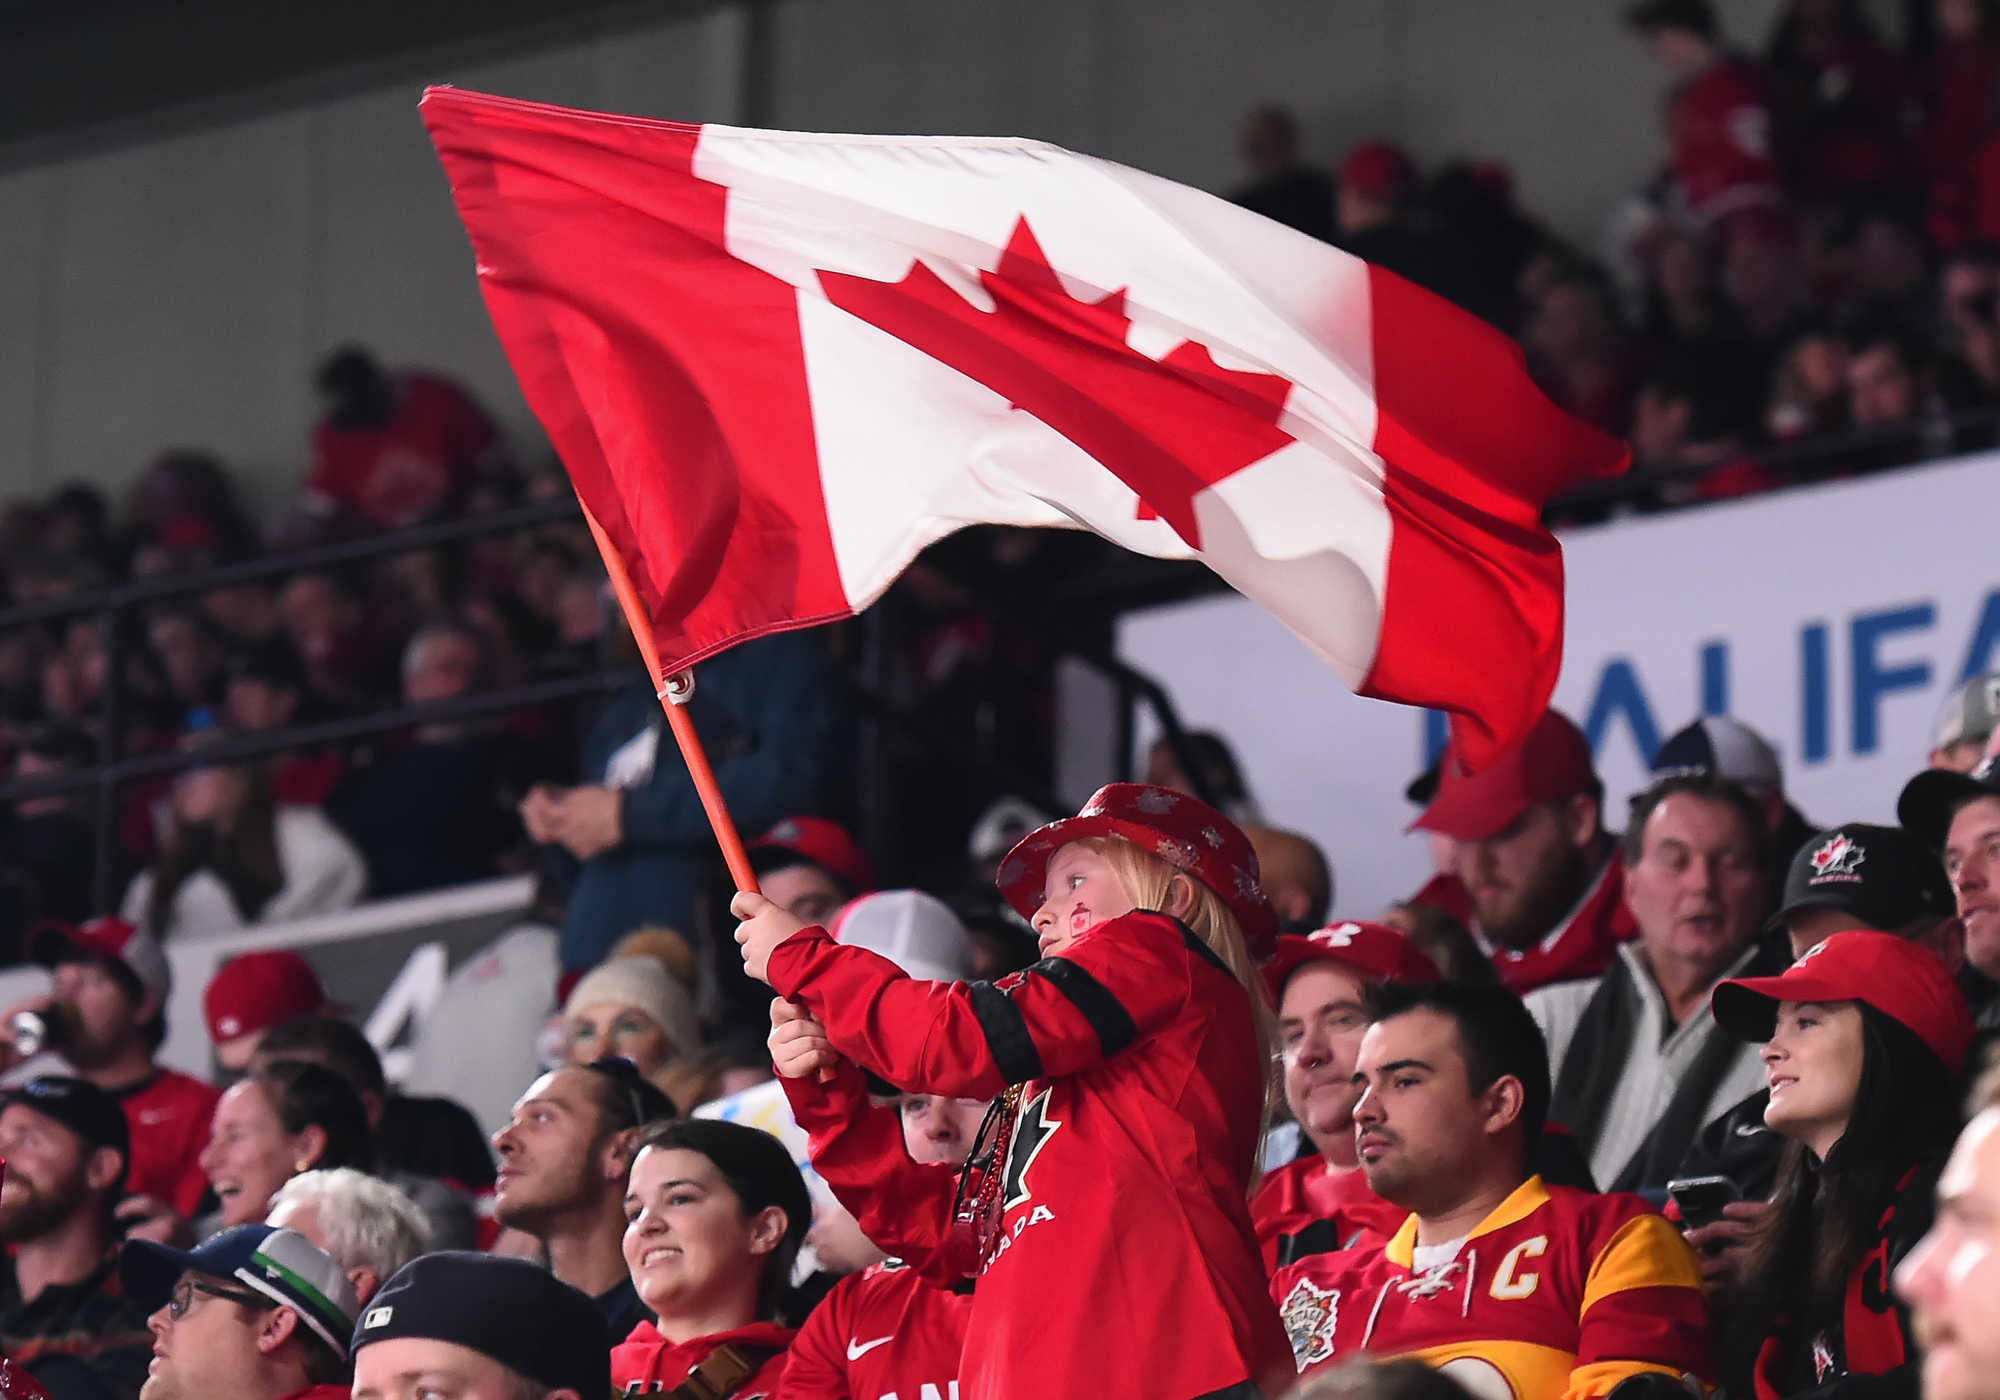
1719	140
1319	1209
1562	1293
884	1332
646	1363
413	467
1139	1124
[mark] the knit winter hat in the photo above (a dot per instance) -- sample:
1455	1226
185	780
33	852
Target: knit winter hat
645	984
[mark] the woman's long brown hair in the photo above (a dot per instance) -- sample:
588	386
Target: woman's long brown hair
241	847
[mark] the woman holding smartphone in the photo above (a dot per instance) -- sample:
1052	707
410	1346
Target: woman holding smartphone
1864	1038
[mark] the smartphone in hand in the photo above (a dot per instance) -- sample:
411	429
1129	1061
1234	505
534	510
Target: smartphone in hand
1700	1199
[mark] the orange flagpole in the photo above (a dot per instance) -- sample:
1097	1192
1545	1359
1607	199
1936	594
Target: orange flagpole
674	692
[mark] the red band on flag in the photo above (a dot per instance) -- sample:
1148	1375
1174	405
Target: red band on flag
671	379
1470	448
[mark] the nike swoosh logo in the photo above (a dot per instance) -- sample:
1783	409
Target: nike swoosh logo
1750	1129
150	1116
857	1350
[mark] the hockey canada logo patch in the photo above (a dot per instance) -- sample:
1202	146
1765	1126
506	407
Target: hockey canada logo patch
1836	859
1310	1314
1031	1135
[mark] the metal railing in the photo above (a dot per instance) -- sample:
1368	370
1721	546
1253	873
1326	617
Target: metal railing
1800	462
111	606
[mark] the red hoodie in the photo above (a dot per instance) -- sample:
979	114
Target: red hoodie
646	1363
1140	1113
1320	1209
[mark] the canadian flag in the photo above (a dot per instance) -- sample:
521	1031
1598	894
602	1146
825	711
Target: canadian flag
777	365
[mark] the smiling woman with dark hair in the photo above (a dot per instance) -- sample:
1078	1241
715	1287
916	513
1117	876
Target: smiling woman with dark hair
286	1118
1864	1038
716	1213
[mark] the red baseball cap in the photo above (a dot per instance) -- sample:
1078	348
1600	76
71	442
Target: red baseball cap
111	940
824	843
1902	980
256	991
1376	951
1378	168
1184	831
1552	762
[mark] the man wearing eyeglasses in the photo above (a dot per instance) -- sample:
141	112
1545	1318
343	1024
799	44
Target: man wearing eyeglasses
257	1313
563	1161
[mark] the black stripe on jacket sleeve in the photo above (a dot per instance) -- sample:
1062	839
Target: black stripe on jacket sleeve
1106	1014
1006	1033
1207	954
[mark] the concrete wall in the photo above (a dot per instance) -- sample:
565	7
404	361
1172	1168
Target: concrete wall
178	292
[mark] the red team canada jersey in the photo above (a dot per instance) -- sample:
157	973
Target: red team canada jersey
1126	1267
885	1333
646	1363
1559	1294
1308	1207
168	1118
408	470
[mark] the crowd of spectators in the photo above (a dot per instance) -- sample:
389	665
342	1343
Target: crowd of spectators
1806	290
1643	1102
1646	1109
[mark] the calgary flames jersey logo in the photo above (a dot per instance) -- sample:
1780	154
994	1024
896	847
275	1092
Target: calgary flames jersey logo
1310	1314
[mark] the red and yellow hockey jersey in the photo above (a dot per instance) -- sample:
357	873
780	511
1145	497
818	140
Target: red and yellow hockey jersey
1309	1207
882	1334
1126	1267
1559	1294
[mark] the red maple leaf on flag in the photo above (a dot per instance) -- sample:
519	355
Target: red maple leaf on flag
1168	428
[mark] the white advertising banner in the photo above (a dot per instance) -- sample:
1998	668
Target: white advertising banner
1833	619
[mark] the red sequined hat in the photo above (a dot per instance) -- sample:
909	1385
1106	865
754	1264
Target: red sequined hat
1187	833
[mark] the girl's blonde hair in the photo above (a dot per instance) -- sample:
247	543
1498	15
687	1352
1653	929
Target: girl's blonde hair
1148	880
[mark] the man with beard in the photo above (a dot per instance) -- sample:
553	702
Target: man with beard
563	1162
111	984
1641	1066
1500	1281
1542	875
64	1141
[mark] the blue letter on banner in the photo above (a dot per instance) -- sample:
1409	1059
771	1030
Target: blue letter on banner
1618	693
1816	693
1985	637
1871	681
1715	678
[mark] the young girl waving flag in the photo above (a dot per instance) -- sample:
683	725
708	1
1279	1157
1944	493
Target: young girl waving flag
1104	1213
